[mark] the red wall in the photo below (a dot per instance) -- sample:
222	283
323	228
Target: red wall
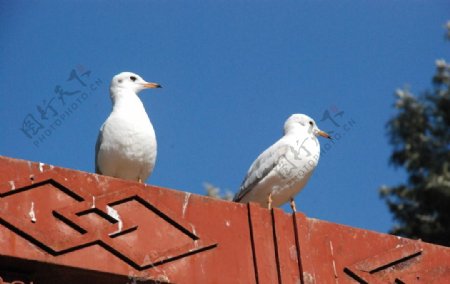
59	224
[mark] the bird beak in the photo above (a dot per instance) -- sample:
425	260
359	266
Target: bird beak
324	134
151	85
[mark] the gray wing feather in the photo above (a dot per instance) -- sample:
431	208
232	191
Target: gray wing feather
97	149
261	167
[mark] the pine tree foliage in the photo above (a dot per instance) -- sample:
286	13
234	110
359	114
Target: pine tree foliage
420	136
215	192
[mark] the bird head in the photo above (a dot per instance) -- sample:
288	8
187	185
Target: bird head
303	123
130	81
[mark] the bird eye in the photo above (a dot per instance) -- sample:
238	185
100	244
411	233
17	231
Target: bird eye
311	123
133	78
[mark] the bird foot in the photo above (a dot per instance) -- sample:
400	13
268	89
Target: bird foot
269	201
294	209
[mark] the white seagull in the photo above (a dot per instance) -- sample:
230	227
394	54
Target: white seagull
282	170
126	144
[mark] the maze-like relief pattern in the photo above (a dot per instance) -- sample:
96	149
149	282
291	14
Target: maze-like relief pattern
395	263
59	220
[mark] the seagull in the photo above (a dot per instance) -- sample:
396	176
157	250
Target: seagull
126	143
282	170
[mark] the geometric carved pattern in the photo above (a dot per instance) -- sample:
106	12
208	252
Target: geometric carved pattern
374	269
62	224
98	220
332	253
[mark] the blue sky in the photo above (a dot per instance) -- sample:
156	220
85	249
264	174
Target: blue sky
232	73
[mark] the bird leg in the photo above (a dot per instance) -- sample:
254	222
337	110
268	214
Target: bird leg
139	180
294	209
269	201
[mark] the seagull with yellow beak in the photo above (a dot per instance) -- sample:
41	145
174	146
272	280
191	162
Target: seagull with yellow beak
126	145
282	170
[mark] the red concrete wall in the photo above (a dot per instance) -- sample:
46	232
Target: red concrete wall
64	225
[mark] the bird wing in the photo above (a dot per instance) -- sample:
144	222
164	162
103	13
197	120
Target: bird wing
261	167
97	149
